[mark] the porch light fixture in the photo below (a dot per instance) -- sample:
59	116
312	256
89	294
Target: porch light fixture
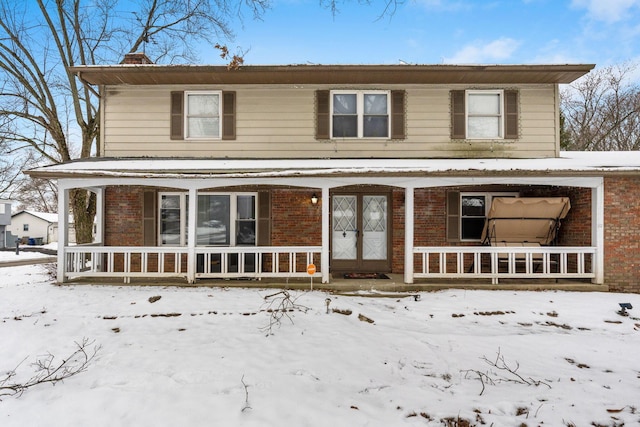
314	199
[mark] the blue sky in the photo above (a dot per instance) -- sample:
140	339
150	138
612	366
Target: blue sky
603	32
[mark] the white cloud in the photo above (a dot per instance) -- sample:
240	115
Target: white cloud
481	52
607	10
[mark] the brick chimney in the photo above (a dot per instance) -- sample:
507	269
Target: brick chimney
136	58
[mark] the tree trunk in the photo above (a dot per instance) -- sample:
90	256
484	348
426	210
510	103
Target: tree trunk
83	204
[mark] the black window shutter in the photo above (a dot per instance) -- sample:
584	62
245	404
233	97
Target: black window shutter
228	115
397	114
458	126
322	114
264	218
453	216
511	114
177	115
149	218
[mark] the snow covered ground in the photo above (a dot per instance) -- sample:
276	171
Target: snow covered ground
204	357
23	255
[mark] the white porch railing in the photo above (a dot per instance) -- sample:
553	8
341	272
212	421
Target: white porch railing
486	262
257	261
210	262
459	262
125	261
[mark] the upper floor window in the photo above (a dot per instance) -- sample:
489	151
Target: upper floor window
484	114
360	114
25	227
199	115
202	115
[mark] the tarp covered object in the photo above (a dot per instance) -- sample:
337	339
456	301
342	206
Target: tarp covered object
533	220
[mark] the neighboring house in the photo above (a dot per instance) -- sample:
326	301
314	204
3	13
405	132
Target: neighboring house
5	220
212	173
37	228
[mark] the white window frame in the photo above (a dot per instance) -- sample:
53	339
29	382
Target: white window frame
233	214
187	116
500	115
360	112
183	217
488	198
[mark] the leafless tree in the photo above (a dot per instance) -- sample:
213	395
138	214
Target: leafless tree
56	116
601	111
388	7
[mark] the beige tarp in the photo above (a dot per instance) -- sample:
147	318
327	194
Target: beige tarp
533	220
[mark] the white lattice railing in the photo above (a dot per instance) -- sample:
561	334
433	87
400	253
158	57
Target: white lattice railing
486	262
211	262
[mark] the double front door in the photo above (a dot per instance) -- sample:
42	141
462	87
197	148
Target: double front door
360	232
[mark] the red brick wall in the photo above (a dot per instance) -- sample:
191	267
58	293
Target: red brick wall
123	216
295	221
622	234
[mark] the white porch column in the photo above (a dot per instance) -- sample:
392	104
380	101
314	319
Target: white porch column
597	230
408	234
99	237
191	235
324	262
63	227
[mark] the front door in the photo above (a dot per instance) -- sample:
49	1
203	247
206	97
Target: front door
360	233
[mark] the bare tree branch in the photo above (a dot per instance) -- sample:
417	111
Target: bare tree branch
49	370
601	111
56	115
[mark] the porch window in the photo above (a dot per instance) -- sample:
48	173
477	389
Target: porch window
226	219
473	213
223	219
172	222
202	115
360	114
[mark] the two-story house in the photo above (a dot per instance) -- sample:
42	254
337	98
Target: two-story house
211	173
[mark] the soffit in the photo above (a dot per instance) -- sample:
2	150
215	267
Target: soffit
150	74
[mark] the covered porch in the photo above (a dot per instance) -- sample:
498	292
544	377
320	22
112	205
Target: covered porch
412	255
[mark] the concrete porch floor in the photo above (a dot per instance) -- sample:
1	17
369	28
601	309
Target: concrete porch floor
395	284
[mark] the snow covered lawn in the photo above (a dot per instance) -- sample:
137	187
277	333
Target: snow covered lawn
203	357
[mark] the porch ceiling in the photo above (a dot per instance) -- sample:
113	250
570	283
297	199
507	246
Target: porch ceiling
568	164
151	74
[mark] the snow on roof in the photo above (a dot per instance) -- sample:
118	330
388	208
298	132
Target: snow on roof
568	162
46	216
50	217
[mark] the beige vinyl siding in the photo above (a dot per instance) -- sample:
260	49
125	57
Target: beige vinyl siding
279	122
